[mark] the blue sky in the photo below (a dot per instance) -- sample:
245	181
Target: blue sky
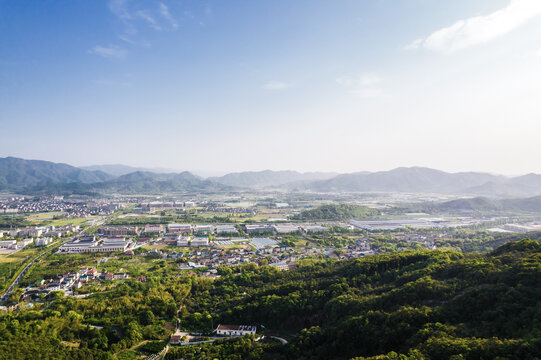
218	86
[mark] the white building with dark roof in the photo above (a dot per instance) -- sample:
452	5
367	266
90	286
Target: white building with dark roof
226	229
235	330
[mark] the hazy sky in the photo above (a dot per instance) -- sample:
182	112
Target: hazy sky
220	86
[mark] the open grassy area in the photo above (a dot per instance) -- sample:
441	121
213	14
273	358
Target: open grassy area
43	216
68	221
45	219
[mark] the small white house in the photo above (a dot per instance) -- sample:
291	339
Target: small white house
235	330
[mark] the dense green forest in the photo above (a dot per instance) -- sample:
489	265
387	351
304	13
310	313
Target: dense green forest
335	212
402	305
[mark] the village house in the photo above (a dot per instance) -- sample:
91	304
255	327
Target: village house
176	339
235	330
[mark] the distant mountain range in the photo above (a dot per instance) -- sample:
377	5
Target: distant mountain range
42	176
119	169
35	177
18	174
483	205
141	182
268	178
425	180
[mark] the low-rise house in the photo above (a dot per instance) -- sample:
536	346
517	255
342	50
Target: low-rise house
143	241
226	229
92	273
8	244
43	241
153	229
200	241
119	230
81	245
176	339
54	233
204	229
314	228
285	228
280	265
235	330
111	245
54	287
258	228
71	228
183	241
180	228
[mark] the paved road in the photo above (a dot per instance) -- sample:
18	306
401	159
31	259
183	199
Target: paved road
282	340
21	275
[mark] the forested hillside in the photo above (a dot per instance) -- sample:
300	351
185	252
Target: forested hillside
19	174
335	212
422	304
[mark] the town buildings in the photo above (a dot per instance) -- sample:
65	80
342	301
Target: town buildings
200	241
119	230
184	229
44	241
92	244
153	229
226	229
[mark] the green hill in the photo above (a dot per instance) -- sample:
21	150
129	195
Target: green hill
484	205
19	174
421	304
342	212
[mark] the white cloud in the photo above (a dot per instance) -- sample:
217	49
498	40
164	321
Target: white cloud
108	51
364	86
480	29
277	85
539	53
132	14
118	7
415	44
145	15
164	11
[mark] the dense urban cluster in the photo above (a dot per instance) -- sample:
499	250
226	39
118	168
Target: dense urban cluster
73	207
